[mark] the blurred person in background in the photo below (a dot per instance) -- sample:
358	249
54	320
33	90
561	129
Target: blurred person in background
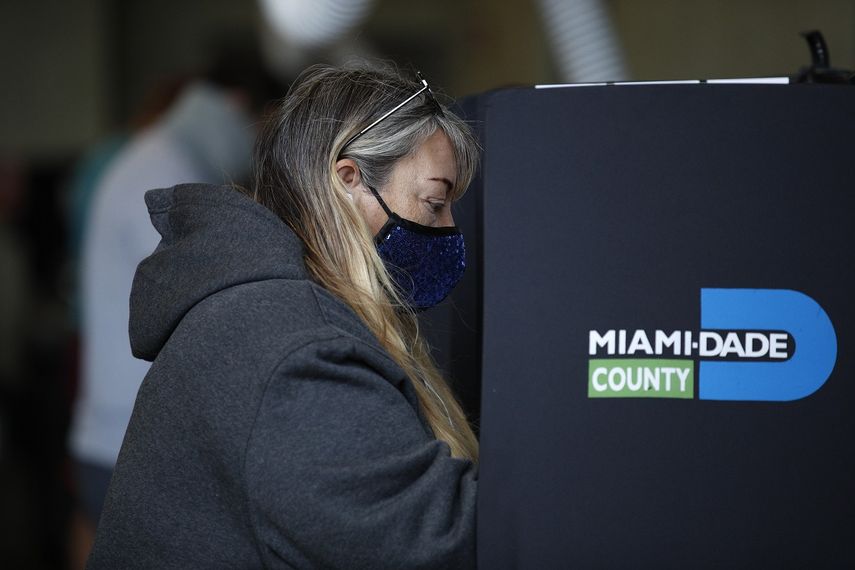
90	168
293	416
204	136
80	190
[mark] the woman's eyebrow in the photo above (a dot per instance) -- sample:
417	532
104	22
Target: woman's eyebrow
446	181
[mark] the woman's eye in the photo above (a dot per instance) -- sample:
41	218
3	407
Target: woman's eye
436	207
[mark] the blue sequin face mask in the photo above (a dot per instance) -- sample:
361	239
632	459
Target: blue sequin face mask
425	262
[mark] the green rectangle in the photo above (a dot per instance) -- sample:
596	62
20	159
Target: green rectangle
641	378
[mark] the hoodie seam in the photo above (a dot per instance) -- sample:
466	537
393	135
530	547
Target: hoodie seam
350	335
256	531
375	349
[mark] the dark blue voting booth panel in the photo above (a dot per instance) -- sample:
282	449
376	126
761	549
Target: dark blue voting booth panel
721	212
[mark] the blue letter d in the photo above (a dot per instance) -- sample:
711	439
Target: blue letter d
768	309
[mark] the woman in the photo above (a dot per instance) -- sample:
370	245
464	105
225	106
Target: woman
292	416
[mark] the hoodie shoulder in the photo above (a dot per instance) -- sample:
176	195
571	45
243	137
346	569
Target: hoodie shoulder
341	317
269	319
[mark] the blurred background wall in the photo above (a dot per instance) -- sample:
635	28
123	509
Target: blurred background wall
73	68
673	39
75	71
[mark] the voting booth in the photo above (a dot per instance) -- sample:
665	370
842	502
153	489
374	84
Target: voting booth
658	315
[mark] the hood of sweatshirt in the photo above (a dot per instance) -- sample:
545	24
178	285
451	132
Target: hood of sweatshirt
212	238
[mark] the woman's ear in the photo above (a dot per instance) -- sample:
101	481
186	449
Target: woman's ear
348	173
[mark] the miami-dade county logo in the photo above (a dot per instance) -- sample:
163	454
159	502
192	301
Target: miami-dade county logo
754	344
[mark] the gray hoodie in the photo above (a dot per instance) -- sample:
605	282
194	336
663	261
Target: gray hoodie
272	429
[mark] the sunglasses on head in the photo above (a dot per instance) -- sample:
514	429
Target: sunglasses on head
425	88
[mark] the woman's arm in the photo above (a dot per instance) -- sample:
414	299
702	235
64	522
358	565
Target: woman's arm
342	473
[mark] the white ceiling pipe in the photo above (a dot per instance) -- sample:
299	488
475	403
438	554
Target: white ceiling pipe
312	24
583	40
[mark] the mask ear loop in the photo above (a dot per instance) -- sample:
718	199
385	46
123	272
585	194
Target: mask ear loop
392	221
386	209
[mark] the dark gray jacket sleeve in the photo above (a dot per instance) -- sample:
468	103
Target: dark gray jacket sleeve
341	473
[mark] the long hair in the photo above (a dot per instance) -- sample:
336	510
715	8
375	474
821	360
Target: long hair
294	175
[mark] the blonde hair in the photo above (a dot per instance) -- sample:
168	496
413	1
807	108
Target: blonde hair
294	175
